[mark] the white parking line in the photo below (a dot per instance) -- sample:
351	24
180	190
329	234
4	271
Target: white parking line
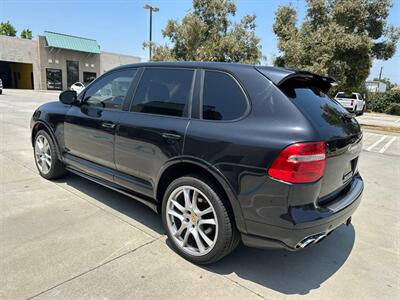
384	148
376	143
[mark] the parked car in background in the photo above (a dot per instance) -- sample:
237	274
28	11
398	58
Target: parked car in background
353	102
77	87
1	86
224	152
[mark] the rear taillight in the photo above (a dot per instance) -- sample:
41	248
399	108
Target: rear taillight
300	163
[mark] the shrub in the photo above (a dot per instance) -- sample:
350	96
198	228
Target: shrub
393	109
380	102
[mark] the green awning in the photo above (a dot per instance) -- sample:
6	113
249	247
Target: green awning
70	42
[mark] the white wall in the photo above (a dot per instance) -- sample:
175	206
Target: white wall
109	60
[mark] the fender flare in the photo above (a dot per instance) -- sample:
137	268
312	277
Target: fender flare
50	132
217	175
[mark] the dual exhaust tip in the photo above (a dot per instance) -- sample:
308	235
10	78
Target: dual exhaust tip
312	239
316	238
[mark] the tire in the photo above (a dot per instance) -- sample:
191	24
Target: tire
362	111
46	159
1	92
223	235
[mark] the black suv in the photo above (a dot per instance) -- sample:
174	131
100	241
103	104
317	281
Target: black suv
225	152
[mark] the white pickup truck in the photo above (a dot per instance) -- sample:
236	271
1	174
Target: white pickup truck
352	102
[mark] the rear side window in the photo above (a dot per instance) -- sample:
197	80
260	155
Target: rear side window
223	99
164	92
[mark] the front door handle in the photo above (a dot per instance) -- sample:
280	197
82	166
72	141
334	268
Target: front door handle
108	125
171	136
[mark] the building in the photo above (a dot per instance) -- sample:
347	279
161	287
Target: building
54	61
375	86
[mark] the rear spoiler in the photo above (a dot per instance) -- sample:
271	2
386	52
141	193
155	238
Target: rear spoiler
281	75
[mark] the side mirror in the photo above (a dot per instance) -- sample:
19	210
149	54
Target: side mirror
68	97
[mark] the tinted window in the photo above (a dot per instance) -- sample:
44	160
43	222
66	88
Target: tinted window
164	92
314	103
222	97
110	90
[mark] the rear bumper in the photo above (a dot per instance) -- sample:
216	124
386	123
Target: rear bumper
307	221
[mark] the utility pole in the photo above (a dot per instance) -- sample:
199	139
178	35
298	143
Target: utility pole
155	9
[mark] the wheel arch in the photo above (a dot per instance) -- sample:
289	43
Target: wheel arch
184	166
40	125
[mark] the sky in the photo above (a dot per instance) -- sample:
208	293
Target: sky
123	25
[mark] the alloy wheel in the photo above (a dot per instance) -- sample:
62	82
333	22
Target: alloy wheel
43	154
192	220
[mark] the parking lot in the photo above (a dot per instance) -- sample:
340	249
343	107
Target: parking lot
72	238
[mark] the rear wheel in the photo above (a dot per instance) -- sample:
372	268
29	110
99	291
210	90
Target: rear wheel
47	162
197	221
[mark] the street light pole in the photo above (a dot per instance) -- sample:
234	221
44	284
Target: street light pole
155	9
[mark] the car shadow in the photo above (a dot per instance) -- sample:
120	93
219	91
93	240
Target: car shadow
290	272
280	270
117	201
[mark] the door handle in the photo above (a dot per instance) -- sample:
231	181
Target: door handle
108	125
171	136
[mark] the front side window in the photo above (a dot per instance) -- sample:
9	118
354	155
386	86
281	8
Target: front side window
110	90
223	99
164	92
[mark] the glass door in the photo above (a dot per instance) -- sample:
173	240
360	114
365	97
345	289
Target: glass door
72	72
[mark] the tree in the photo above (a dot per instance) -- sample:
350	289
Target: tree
7	29
207	34
339	38
26	34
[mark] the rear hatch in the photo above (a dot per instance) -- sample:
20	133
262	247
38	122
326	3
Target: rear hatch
334	125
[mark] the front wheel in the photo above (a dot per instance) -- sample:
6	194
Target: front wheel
197	221
47	162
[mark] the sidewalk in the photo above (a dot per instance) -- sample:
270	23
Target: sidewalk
380	121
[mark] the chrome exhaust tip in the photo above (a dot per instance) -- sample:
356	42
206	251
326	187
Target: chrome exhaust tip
312	239
304	243
320	238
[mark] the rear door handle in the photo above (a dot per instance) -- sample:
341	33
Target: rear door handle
108	125
171	136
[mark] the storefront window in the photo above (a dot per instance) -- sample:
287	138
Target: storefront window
54	79
88	77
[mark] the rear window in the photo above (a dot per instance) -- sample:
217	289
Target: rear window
314	103
343	95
